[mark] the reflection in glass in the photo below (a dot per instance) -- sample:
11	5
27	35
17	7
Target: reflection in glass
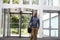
54	14
6	1
46	16
45	33
46	24
54	33
54	22
46	20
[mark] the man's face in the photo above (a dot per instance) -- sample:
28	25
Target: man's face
34	13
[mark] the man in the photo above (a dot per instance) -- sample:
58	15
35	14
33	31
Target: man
34	24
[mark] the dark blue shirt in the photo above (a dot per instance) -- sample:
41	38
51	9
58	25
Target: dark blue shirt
34	22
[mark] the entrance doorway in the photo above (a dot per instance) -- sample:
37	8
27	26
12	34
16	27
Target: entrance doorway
16	24
19	24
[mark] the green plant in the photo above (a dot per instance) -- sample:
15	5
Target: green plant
6	1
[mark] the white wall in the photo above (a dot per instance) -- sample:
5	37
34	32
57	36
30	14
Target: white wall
0	15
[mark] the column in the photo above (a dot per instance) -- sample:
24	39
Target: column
40	33
59	25
1	34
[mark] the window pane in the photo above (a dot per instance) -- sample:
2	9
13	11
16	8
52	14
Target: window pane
1	31
35	2
45	33
15	1
25	22
54	33
25	1
46	20
6	1
45	2
50	2
14	18
45	16
54	14
56	2
14	29
54	21
25	18
46	24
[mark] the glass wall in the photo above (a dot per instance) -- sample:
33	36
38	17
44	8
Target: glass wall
1	31
1	26
54	33
14	24
24	26
45	33
46	20
54	24
50	25
35	1
11	1
46	24
45	2
56	2
25	1
54	20
51	2
15	1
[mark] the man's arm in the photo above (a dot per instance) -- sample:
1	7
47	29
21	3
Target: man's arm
38	23
30	22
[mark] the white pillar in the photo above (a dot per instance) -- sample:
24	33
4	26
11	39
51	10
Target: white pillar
40	32
0	17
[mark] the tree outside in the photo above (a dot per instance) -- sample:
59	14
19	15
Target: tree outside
35	2
14	23
13	1
6	1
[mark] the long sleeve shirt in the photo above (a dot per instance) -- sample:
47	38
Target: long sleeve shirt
34	22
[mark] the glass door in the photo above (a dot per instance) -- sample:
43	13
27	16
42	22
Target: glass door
19	24
14	24
24	24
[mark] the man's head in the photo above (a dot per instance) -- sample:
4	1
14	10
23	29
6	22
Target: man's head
34	12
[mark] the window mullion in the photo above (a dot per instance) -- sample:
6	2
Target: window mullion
10	1
50	25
